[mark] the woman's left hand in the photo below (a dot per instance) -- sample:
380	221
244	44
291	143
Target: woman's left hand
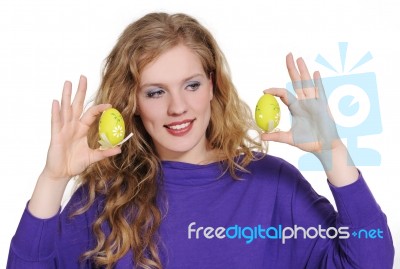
313	128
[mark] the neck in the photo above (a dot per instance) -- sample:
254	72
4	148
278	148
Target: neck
205	156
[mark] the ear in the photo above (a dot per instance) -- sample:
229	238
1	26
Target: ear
137	111
211	81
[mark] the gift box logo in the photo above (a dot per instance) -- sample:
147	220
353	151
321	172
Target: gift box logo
354	103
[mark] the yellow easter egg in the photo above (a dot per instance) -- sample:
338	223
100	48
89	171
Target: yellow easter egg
268	113
112	126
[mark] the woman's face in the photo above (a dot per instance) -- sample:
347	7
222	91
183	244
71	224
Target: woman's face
174	104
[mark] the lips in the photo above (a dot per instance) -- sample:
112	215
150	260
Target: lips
179	128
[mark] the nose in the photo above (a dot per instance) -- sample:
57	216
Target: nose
177	103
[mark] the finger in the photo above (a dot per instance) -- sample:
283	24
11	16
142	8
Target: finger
99	155
77	104
306	81
91	114
281	137
320	91
294	76
55	118
66	102
286	97
321	95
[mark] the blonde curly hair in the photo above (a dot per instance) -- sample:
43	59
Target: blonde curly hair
129	181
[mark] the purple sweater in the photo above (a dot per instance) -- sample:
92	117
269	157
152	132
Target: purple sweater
219	222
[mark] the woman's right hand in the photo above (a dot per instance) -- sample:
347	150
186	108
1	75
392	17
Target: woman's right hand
69	153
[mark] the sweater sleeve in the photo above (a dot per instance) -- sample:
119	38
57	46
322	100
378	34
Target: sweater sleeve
33	245
57	242
356	236
370	243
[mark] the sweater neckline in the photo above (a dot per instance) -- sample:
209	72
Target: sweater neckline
187	166
188	174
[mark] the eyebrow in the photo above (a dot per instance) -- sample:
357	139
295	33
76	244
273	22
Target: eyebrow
161	84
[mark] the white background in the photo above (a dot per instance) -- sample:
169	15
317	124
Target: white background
43	43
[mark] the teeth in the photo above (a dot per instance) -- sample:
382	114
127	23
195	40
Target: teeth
180	126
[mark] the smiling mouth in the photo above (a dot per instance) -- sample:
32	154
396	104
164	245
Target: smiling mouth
179	128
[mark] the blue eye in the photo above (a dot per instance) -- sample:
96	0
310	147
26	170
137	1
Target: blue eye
156	93
193	86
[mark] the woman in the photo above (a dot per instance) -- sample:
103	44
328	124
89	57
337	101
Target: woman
191	189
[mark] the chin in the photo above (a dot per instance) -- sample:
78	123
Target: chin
178	148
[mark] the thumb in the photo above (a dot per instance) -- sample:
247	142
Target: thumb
99	154
279	136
